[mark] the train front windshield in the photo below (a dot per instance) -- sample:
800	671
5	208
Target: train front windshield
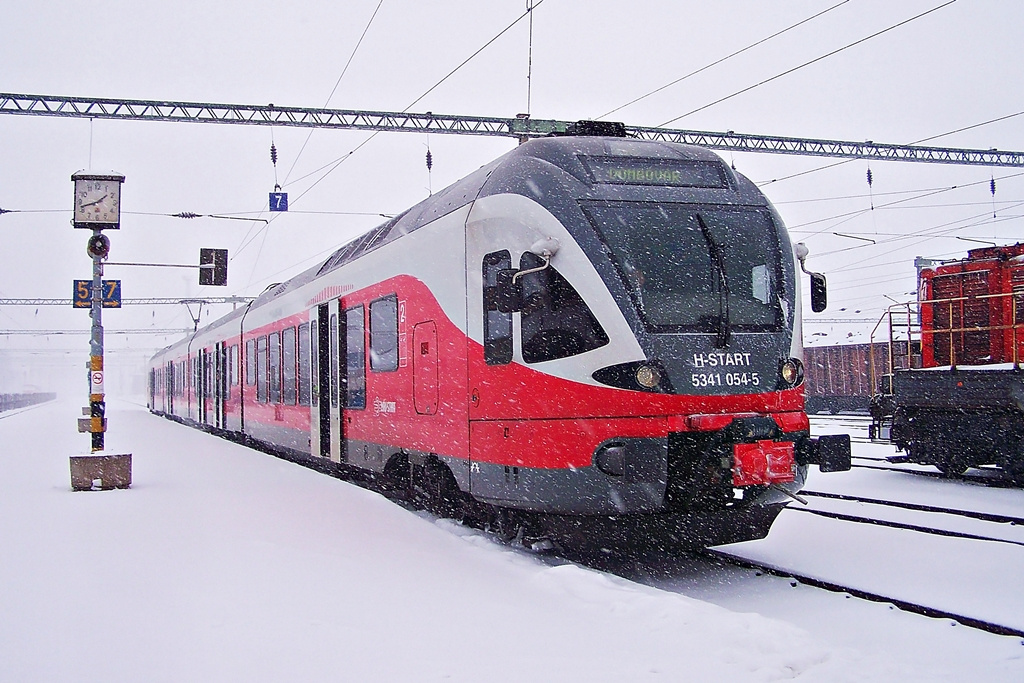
694	268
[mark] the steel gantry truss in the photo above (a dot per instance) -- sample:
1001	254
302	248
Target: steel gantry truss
158	331
133	302
518	127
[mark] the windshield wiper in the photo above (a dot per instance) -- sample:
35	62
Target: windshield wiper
724	331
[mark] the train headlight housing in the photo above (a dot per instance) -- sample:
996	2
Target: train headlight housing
648	376
792	372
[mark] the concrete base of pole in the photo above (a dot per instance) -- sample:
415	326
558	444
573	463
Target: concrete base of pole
101	472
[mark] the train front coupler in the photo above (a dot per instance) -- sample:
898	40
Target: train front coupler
830	453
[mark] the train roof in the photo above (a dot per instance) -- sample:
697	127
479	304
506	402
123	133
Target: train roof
566	154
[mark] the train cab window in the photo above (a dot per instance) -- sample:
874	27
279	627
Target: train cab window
288	388
556	322
497	325
261	370
384	334
304	356
250	362
355	359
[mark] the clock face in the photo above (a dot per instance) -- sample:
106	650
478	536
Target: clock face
97	201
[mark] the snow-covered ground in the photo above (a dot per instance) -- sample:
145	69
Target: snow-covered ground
225	564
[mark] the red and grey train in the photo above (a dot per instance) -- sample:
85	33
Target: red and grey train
589	327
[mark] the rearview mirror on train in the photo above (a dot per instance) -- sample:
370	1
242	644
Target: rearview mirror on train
819	292
508	291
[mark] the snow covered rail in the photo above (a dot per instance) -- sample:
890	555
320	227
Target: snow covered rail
990	478
984	516
924	529
13	401
904	605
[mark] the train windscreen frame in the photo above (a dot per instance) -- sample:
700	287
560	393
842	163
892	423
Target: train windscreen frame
695	267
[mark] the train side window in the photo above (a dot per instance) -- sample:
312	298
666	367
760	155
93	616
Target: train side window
304	357
288	389
556	322
355	359
334	360
233	365
314	362
384	334
497	325
208	372
261	370
275	367
250	362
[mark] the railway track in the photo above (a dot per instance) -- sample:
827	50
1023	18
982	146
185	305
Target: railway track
970	514
923	526
920	528
991	478
905	605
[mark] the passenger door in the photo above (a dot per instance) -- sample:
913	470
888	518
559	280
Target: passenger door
320	417
424	366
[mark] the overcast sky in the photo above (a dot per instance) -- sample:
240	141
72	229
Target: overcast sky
955	67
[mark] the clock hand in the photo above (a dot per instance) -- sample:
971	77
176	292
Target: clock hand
95	202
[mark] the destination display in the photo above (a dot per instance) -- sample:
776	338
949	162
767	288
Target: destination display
670	172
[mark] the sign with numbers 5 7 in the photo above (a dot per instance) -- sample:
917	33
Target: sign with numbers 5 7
82	297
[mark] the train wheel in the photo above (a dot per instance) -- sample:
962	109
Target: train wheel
1014	468
397	481
952	467
437	490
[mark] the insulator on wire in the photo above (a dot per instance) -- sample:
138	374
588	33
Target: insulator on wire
430	160
992	186
869	178
273	154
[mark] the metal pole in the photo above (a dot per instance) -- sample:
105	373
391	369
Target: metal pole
97	406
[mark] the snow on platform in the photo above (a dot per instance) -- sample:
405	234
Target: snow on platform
225	564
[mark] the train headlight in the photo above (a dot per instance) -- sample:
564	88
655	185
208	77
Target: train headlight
648	376
792	372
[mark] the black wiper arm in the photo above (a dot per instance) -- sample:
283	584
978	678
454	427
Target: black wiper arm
724	331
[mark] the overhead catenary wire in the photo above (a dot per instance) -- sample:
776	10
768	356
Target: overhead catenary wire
929	233
723	59
331	166
529	60
247	240
808	63
921	194
915	142
337	83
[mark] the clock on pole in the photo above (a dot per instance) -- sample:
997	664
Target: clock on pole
97	200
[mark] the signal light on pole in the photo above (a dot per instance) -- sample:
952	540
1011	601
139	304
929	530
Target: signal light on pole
98	246
213	267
